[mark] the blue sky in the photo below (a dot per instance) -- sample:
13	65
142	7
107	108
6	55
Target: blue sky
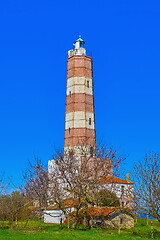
124	39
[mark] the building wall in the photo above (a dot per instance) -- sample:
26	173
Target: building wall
54	216
123	191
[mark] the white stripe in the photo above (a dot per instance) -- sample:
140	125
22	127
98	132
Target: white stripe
77	119
77	80
78	83
78	149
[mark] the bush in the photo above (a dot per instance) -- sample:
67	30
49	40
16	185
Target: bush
107	199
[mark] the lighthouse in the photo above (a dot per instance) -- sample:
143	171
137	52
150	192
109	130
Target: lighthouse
81	167
79	116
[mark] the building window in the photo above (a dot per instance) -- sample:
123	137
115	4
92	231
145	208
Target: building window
70	93
69	130
121	220
88	84
89	121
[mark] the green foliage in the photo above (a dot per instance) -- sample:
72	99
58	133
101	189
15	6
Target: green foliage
13	207
128	211
107	198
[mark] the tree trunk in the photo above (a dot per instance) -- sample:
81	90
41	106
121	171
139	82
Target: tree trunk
25	225
40	223
147	218
119	230
16	221
151	229
68	221
84	221
119	227
75	223
136	218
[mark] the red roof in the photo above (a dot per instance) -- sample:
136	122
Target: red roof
95	211
112	179
67	203
99	211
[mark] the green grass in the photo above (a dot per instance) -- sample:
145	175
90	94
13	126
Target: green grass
53	231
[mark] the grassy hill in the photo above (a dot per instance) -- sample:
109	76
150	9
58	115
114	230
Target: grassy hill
53	232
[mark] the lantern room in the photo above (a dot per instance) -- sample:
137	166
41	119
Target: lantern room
78	48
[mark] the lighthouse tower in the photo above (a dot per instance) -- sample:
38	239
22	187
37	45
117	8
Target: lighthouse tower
79	116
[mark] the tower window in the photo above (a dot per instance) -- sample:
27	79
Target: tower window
82	44
88	84
70	93
69	130
89	121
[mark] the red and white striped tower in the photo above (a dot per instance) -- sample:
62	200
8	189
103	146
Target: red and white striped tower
79	116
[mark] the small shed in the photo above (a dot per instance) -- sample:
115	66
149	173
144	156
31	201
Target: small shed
112	218
53	216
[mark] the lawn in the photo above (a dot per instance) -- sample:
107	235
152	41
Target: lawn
49	231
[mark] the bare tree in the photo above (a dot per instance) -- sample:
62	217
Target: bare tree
76	178
147	187
35	187
3	184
